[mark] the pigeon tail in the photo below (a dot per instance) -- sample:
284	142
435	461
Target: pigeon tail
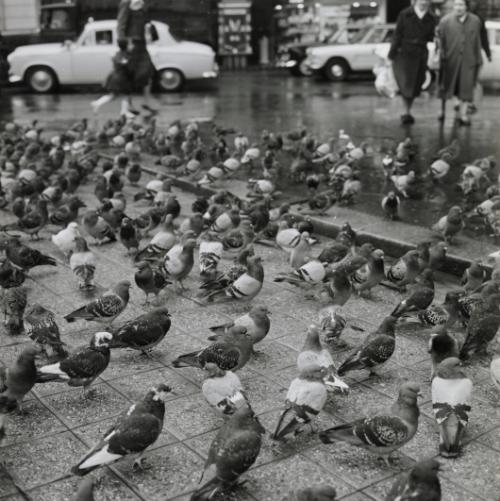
206	491
350	365
341	432
94	459
80	313
187	360
47	260
50	378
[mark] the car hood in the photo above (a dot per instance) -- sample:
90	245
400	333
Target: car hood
42	48
323	49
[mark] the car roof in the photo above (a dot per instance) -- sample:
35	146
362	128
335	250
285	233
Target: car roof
110	24
493	24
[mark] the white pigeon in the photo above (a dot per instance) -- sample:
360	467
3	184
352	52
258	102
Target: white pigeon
83	264
65	240
209	255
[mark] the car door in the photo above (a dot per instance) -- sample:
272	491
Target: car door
91	56
491	70
365	58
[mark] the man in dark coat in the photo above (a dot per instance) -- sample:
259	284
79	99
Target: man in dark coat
461	58
415	27
133	21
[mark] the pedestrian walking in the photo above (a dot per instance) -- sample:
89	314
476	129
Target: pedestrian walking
118	82
461	59
415	27
133	21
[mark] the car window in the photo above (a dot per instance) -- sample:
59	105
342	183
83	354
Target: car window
104	37
357	36
55	19
496	38
377	36
388	36
87	38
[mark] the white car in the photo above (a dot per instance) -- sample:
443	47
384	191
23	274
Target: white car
336	62
88	60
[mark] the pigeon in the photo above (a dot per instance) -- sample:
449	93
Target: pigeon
437	255
384	432
223	390
365	281
473	277
301	253
495	371
332	322
313	353
245	287
468	303
446	313
83	264
98	228
32	222
305	399
334	253
179	261
129	236
13	302
10	276
421	483
226	221
375	350
25	257
482	327
338	289
44	331
134	173
149	280
256	322
133	432
404	182
16	381
391	204
311	273
82	366
106	307
160	244
65	214
450	225
209	255
233	450
314	493
451	402
420	295
405	270
144	332
424	255
85	490
230	353
442	345
65	240
287	238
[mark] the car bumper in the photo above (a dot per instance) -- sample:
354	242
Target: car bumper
13	79
286	63
213	73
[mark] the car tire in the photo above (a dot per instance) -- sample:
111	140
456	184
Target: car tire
430	77
41	79
170	80
336	70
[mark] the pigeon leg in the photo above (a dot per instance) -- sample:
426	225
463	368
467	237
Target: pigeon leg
139	463
148	353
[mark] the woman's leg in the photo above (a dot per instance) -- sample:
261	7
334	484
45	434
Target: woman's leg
107	98
407	118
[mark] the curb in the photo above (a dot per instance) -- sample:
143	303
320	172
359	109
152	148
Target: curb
453	265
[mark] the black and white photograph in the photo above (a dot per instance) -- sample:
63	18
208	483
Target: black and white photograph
249	250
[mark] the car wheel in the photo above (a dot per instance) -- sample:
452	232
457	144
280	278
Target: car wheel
304	69
41	79
430	76
170	80
336	70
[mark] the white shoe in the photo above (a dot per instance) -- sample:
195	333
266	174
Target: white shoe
95	107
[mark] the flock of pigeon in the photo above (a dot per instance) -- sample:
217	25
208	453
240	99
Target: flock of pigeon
39	186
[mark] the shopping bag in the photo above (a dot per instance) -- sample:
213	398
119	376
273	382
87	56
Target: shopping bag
385	82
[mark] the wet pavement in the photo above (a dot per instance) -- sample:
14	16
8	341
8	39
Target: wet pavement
59	425
253	101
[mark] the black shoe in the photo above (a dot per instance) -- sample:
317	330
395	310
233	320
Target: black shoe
407	119
442	117
149	109
464	122
134	111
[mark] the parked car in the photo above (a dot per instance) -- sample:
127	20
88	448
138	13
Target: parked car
88	60
294	57
336	62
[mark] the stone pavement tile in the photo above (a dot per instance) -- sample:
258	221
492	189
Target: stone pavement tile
409	351
190	416
76	410
449	490
35	421
353	464
358	496
109	488
136	385
198	320
91	434
172	470
486	391
272	356
44	460
274	480
476	470
491	439
126	361
265	395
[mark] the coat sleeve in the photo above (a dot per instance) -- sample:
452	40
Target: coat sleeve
485	42
441	38
123	17
397	38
